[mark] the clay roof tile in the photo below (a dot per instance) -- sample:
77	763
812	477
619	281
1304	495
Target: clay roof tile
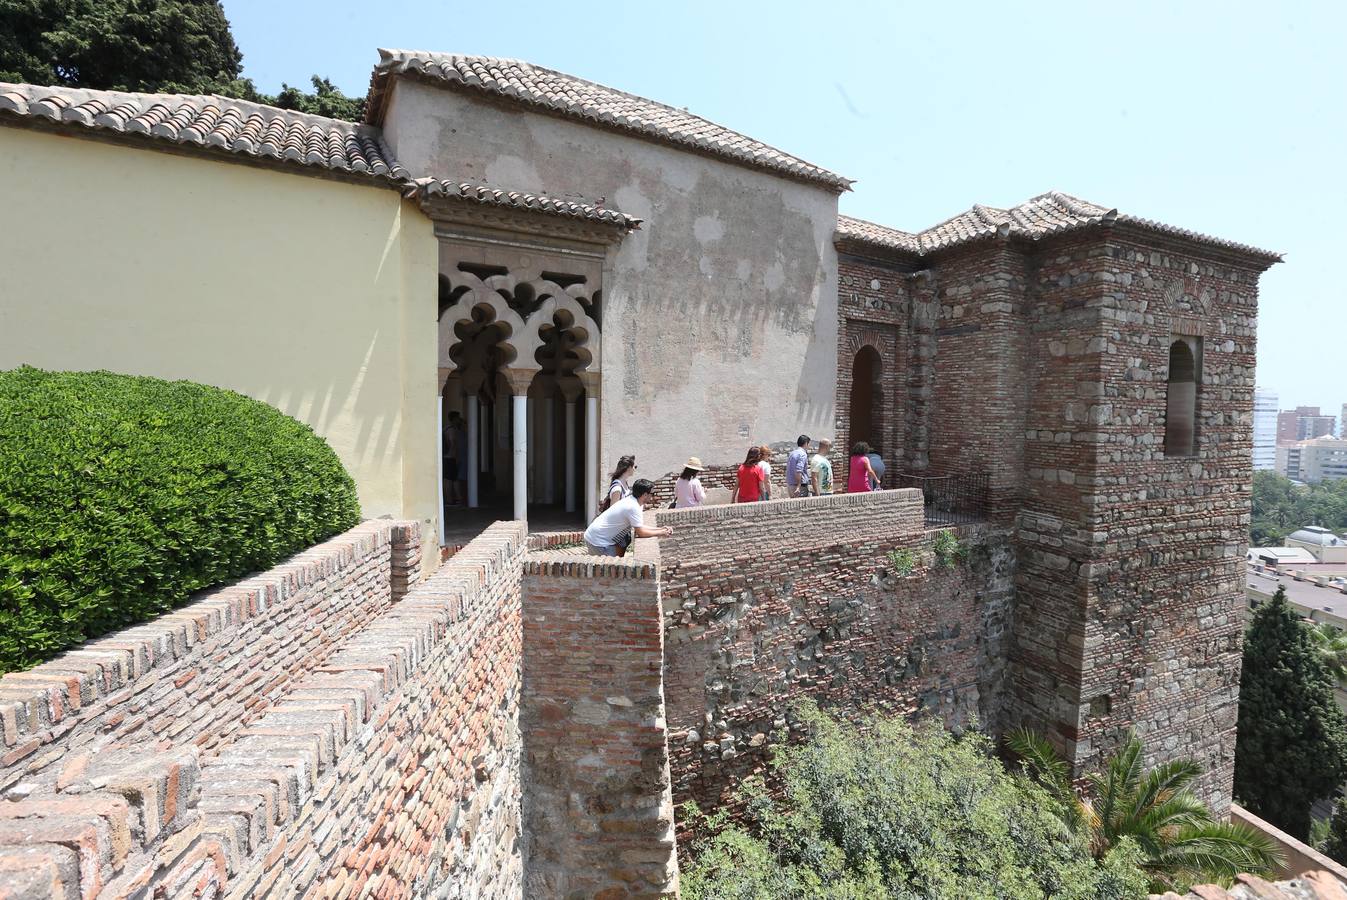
566	95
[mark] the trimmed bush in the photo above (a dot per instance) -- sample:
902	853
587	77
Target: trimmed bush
122	496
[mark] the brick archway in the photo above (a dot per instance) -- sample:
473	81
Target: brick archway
882	419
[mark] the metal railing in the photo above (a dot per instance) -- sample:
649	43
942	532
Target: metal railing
950	499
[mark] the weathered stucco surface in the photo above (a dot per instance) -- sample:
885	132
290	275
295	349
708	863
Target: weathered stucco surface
733	276
315	296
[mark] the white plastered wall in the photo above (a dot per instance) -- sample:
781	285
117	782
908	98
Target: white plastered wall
315	296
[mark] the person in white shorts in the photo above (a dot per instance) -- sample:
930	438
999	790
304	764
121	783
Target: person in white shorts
610	532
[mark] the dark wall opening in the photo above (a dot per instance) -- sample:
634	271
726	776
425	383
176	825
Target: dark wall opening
867	415
1181	400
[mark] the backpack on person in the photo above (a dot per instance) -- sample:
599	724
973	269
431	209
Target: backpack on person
607	500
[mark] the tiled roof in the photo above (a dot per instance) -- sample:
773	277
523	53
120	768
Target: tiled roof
433	187
879	235
265	134
251	130
566	95
1043	216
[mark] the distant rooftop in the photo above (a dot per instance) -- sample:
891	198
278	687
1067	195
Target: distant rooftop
1313	534
1043	216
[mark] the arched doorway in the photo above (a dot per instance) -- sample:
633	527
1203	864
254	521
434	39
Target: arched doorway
866	408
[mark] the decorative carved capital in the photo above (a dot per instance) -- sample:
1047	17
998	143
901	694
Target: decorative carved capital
519	380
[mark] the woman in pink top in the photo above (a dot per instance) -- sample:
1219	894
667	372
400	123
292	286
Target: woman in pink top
861	472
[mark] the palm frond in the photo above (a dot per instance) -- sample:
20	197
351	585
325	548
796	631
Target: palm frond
1041	760
1216	849
1119	781
1163	782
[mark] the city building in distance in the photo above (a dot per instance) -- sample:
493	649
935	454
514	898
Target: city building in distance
1264	429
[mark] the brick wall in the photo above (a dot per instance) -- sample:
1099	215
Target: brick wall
105	744
1128	559
598	815
394	770
197	675
875	310
1044	365
768	603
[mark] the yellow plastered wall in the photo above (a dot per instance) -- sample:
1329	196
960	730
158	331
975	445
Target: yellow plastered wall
316	296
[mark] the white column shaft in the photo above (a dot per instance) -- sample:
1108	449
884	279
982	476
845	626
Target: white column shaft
591	457
439	467
521	457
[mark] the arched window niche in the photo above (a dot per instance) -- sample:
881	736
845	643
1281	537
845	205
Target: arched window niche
1185	360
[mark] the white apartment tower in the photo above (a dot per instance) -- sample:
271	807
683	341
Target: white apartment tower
1264	429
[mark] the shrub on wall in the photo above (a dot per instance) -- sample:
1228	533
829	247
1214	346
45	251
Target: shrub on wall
884	810
121	496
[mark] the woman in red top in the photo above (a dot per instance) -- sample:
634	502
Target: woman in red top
752	483
861	472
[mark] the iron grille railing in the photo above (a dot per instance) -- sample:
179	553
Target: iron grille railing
950	499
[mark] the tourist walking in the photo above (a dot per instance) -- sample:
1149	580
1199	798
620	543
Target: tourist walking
797	468
455	448
612	530
750	481
619	483
877	465
861	474
688	490
821	470
765	463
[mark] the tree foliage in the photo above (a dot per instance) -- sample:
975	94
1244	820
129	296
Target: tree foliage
1331	641
1155	809
1291	748
154	46
884	810
1330	835
1280	507
121	496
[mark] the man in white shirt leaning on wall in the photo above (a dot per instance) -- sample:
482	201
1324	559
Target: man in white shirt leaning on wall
611	531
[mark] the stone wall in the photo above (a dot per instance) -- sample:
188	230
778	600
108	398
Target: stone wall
1045	365
598	815
765	604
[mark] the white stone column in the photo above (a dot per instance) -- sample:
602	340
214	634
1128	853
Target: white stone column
474	450
591	383
570	389
519	387
531	416
439	455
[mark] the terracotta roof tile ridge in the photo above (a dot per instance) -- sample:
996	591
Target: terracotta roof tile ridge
642	115
83	97
212	123
576	209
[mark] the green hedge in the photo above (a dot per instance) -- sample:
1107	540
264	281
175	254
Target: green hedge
122	496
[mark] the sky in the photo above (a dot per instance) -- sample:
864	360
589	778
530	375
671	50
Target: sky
1228	118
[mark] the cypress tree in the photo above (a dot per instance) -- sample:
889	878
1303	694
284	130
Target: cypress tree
1292	736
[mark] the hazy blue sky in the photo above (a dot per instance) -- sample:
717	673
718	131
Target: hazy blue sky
1228	118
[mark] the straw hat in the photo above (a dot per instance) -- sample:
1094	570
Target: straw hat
694	463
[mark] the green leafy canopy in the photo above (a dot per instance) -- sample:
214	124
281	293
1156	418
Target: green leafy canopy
154	46
886	810
122	496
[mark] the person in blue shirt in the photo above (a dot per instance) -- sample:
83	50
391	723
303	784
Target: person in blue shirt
797	468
